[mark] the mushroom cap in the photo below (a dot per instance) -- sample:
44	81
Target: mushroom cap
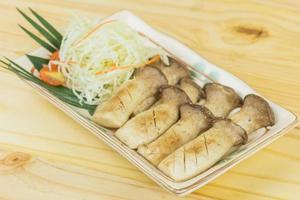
174	71
221	99
170	94
255	113
152	74
187	110
192	89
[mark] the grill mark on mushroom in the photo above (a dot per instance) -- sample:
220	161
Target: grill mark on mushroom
174	133
128	93
194	119
122	103
196	159
174	162
184	159
205	144
154	119
146	83
215	142
140	129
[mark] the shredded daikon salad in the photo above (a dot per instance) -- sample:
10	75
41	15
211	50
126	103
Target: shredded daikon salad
97	57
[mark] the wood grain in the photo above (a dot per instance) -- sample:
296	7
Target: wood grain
46	155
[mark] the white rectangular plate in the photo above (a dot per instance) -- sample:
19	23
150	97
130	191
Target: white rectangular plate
200	68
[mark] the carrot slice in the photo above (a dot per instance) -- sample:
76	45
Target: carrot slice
54	55
53	77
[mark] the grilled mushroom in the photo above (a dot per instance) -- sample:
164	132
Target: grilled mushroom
150	124
144	105
204	151
193	120
220	99
174	71
254	114
116	111
192	89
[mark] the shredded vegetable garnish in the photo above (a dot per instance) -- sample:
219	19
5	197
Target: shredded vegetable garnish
96	58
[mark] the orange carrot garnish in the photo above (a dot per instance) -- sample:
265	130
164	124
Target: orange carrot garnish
92	31
54	55
113	68
51	77
154	59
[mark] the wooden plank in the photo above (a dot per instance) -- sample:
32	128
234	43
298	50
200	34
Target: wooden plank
258	41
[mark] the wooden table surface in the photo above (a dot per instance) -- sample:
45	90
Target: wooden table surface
46	155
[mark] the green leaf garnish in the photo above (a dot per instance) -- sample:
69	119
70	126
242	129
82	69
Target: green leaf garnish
54	41
64	94
39	41
47	25
37	62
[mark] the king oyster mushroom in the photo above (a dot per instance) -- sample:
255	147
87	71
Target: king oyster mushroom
221	99
204	151
254	114
150	124
173	72
194	119
144	105
192	89
116	111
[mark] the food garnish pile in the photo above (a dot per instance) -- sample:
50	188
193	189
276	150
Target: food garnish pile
132	86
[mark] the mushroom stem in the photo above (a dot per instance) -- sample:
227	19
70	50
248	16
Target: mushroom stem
220	99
